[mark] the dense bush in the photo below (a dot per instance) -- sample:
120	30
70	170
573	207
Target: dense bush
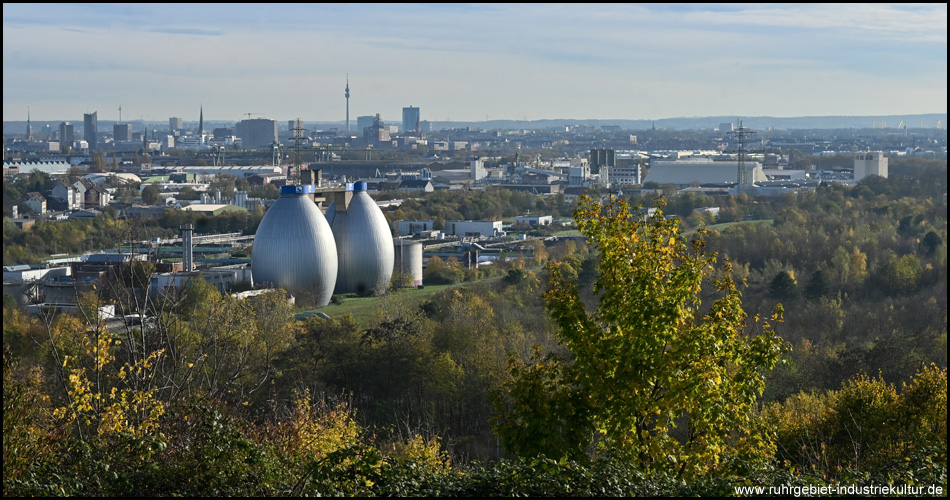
866	426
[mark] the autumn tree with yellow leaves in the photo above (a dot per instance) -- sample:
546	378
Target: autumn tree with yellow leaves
650	373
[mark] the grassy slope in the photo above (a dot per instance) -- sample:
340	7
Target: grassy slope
364	308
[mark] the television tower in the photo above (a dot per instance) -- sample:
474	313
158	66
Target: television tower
347	102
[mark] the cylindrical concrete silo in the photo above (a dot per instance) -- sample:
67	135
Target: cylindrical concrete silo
364	244
294	247
408	260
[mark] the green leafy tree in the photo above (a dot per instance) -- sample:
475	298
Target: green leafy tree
188	193
650	372
442	272
901	274
151	195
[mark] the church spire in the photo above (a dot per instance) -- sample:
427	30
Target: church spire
201	122
29	128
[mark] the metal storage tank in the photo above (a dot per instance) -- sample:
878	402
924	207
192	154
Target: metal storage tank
294	247
364	243
408	259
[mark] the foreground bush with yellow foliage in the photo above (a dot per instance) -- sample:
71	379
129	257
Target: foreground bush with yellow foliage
867	425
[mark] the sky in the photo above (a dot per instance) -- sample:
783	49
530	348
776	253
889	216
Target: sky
471	62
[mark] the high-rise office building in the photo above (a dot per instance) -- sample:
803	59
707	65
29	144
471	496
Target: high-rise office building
602	158
257	132
377	133
122	132
66	136
410	120
90	129
175	123
362	122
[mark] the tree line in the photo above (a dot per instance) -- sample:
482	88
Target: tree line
654	359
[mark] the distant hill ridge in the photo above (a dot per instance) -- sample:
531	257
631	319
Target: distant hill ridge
712	122
911	121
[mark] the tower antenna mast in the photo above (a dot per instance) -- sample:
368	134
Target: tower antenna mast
347	103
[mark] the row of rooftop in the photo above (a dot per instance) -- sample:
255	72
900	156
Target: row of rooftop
419	135
610	169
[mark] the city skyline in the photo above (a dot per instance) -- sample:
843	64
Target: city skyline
458	62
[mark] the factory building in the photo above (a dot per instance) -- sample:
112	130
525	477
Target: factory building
702	171
172	284
869	163
534	220
618	176
473	228
412	227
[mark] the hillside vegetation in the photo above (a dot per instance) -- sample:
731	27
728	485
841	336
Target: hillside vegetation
663	357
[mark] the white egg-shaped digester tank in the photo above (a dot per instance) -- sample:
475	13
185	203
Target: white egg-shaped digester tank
294	247
364	244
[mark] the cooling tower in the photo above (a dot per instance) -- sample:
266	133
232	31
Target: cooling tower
294	247
364	244
408	260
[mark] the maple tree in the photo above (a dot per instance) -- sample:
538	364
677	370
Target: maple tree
649	372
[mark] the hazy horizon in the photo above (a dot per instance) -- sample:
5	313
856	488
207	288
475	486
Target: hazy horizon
471	63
